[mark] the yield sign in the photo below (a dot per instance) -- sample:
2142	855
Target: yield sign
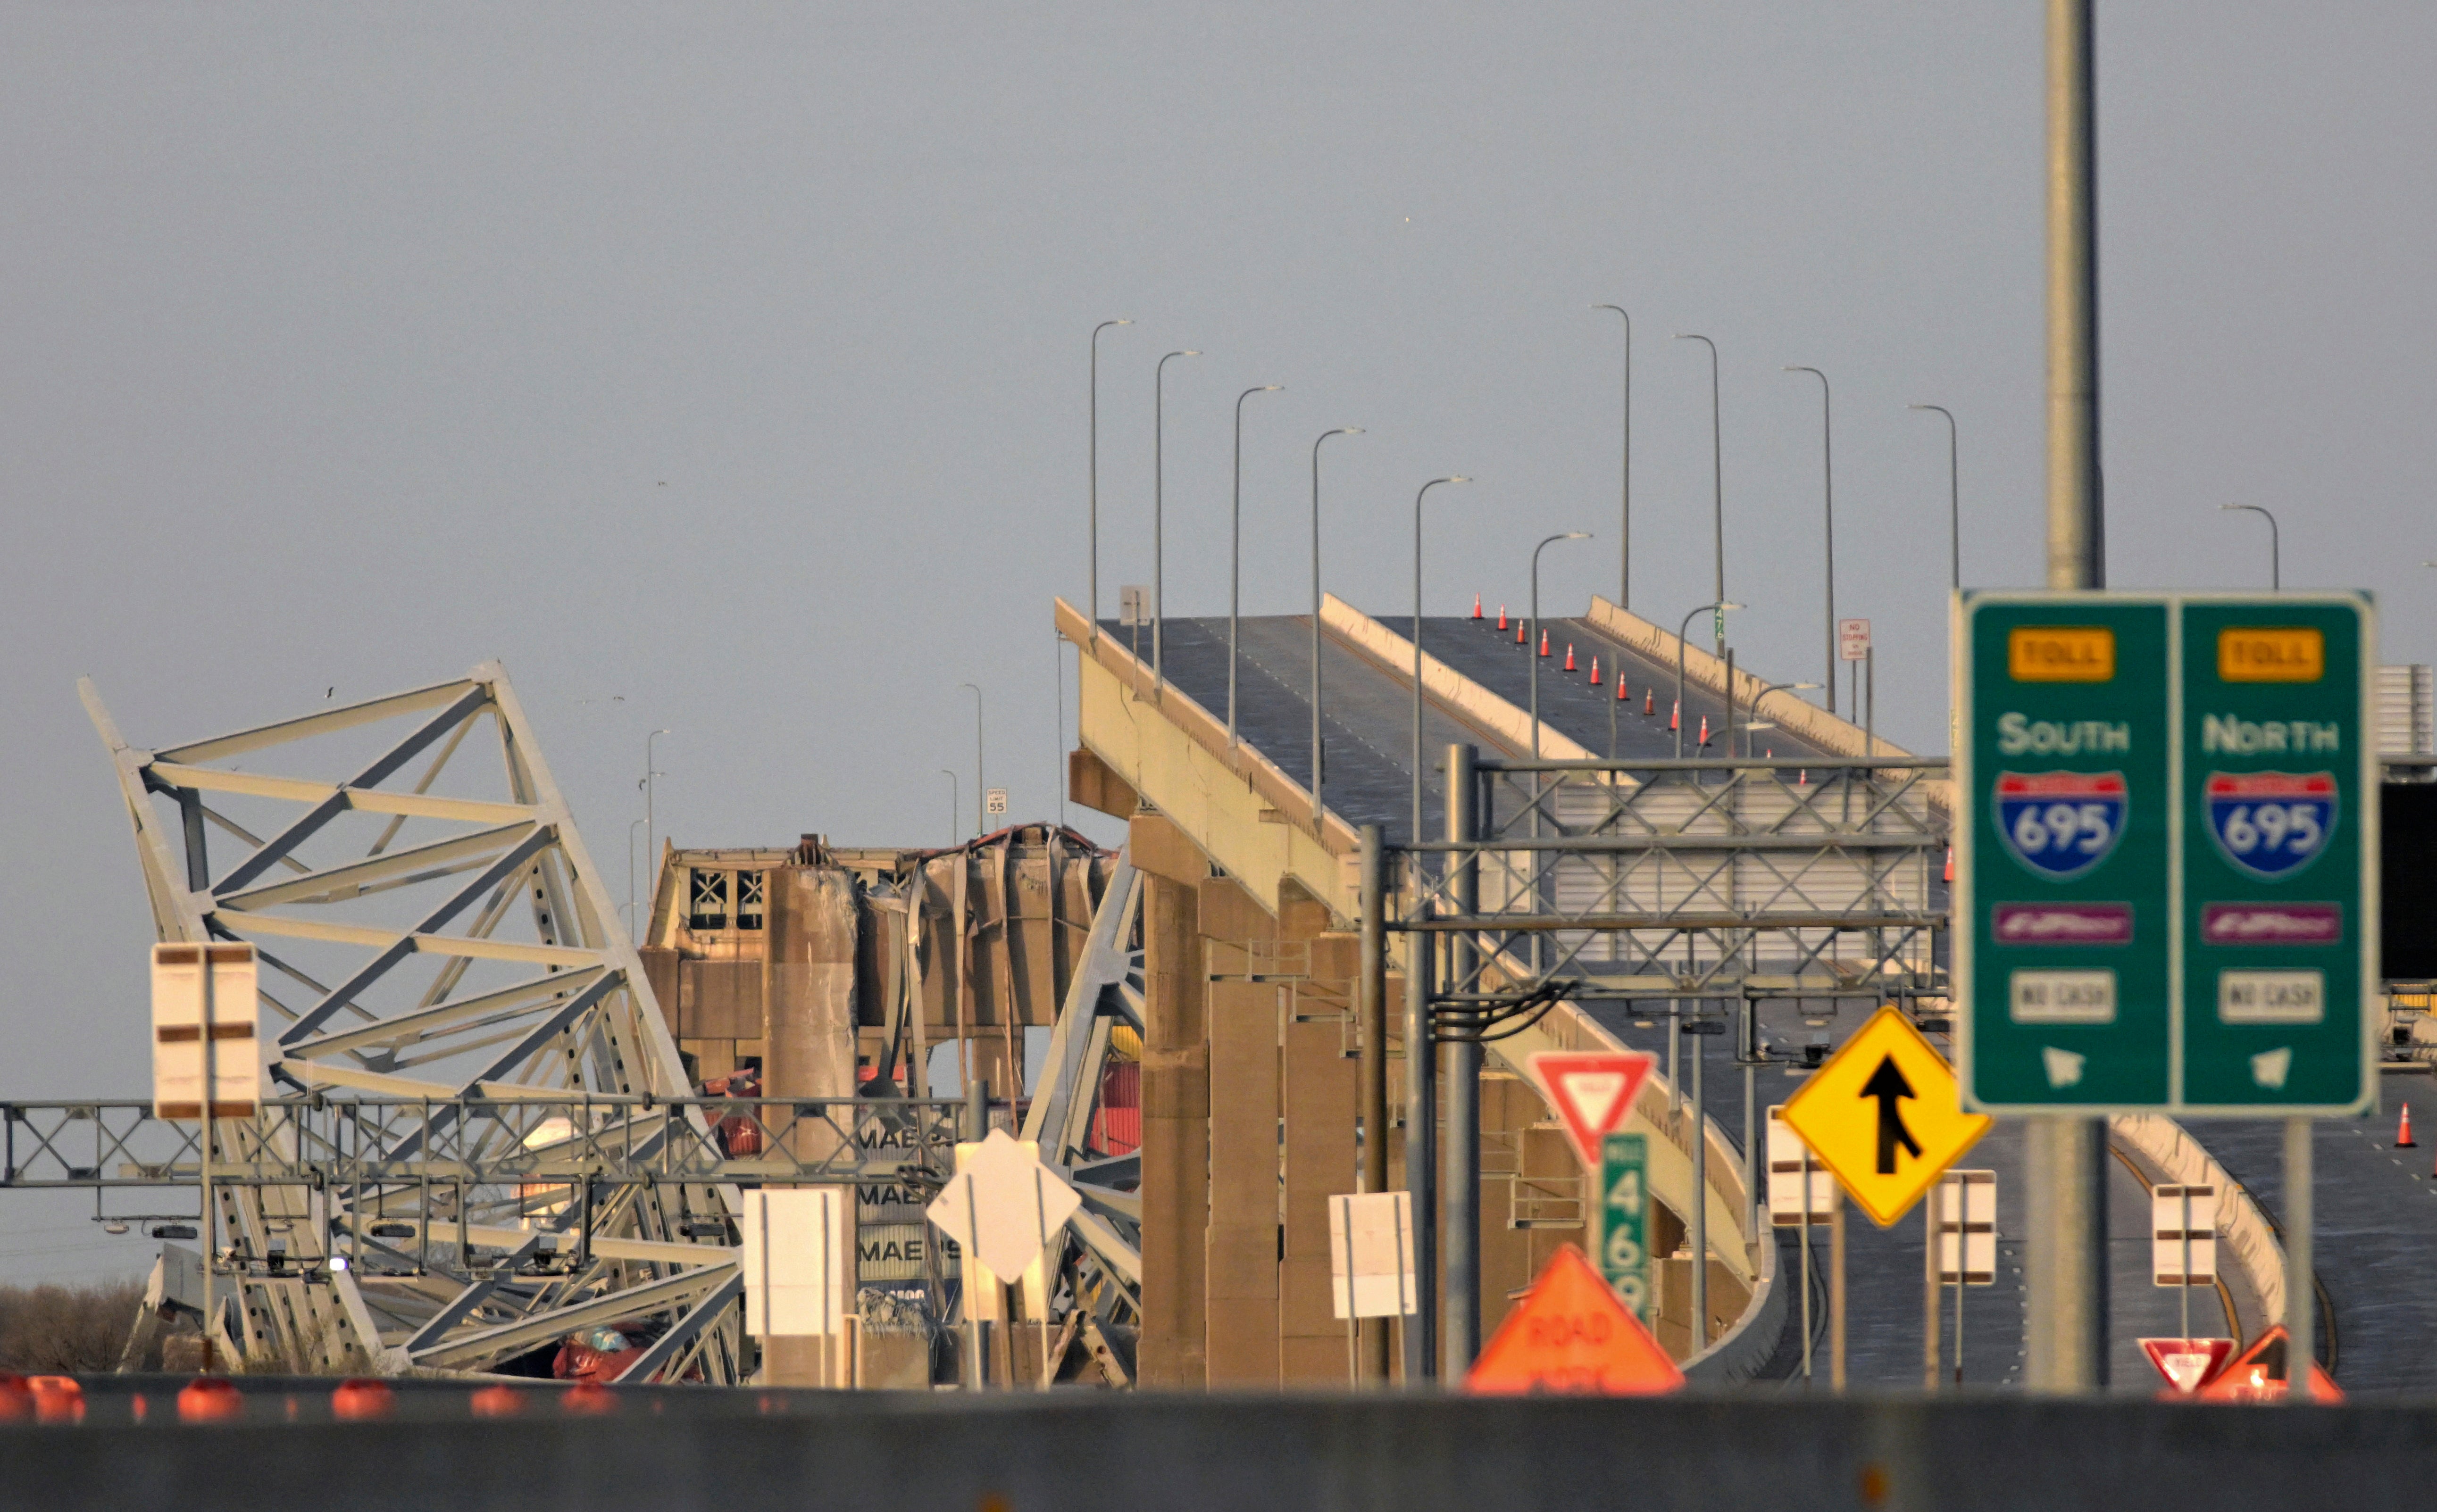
1884	1115
1592	1090
1571	1333
2259	1375
1003	1207
2187	1364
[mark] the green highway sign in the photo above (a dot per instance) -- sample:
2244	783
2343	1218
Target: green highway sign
1625	1219
2165	853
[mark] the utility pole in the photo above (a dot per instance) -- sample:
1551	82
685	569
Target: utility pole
2067	1155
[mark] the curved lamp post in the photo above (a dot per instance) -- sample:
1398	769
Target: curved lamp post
633	924
1719	609
1717	482
956	809
2275	552
1624	495
1568	535
1236	558
1317	751
1095	471
1828	492
1159	515
1417	645
651	771
1753	723
980	786
1953	502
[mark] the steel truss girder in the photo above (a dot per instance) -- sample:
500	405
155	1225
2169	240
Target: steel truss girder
479	867
1692	878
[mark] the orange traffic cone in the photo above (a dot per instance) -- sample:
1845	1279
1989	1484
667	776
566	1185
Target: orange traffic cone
1476	607
1570	656
1649	701
1950	877
2403	1139
1520	634
1705	729
1622	694
1675	715
1544	643
1595	671
1501	617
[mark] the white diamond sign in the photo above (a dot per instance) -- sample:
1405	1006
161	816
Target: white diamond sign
1003	1206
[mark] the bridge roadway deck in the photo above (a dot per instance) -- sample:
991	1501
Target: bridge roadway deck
2376	1230
1369	735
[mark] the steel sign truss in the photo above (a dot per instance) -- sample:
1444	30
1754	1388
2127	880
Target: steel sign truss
1698	879
432	933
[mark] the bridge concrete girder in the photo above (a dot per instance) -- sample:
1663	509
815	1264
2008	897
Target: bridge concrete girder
1237	806
1216	810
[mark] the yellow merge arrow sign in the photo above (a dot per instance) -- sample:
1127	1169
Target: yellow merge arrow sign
1884	1115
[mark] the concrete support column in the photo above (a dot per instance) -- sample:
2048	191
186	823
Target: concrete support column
1176	1132
808	1044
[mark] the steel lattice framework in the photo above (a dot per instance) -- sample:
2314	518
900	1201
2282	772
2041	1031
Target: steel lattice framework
431	931
1697	878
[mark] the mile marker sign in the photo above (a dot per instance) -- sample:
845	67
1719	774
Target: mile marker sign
1592	1092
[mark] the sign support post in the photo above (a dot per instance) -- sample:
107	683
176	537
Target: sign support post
1836	1295
2301	1297
2183	1280
211	1088
1805	1242
1931	1351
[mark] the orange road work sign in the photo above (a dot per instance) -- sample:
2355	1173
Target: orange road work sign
2258	1375
1571	1333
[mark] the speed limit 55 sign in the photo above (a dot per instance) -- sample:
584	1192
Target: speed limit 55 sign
2166	852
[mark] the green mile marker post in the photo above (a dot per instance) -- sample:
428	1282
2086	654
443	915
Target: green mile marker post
1625	1219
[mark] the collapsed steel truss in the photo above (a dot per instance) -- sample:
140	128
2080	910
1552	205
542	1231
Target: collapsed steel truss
431	931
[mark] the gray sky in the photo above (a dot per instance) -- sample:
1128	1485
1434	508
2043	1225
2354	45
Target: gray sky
730	359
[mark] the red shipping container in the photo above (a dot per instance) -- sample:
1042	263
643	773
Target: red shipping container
1116	1126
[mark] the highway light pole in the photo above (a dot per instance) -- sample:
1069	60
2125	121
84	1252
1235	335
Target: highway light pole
1625	494
2275	549
1159	517
1752	723
1717	486
1095	488
955	809
634	925
1719	609
1954	500
2066	1156
1827	497
1417	646
1569	535
651	771
980	787
1318	752
1236	558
